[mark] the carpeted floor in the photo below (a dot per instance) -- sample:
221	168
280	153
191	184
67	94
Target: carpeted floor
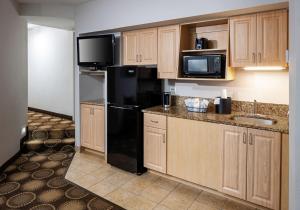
46	131
36	180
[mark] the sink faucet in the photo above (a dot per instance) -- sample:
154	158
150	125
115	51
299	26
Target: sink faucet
254	107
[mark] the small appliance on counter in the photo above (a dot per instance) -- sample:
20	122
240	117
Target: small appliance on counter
201	43
166	99
196	105
223	103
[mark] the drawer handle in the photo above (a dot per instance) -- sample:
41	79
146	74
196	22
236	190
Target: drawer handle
154	121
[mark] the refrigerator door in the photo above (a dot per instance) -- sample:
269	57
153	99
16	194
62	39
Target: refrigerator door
125	139
122	85
131	85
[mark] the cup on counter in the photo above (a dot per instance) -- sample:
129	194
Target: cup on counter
166	99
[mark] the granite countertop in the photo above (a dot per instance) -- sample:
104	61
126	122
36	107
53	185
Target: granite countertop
180	112
98	102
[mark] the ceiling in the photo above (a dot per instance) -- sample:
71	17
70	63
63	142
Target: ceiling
52	1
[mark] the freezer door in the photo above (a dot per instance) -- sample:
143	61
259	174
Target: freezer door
124	138
122	85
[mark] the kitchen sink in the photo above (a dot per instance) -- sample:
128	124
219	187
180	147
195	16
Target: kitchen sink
255	119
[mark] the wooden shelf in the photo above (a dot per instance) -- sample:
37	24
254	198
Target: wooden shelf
203	50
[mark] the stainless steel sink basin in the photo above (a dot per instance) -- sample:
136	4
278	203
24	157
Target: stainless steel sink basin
255	119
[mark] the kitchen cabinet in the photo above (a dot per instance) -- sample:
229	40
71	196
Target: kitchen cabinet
168	52
285	172
243	41
86	126
92	127
251	165
234	144
194	151
259	39
155	142
272	38
263	168
140	47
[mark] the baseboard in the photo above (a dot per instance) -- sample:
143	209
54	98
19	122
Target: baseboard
13	158
51	113
9	162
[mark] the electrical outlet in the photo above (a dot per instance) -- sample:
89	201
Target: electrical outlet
173	90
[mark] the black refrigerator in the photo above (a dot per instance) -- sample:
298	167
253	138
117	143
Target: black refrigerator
130	89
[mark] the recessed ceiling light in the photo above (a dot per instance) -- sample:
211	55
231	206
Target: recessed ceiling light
264	68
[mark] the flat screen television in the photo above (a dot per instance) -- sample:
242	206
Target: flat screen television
96	51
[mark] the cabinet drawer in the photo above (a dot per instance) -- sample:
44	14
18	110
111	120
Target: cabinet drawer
156	121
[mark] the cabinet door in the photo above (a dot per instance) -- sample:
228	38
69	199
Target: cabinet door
155	149
234	165
148	46
263	168
168	52
98	128
243	41
86	126
272	38
130	48
194	151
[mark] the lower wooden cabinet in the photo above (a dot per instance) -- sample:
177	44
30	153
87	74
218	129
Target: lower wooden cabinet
155	143
251	165
241	162
92	127
263	168
193	151
155	149
234	165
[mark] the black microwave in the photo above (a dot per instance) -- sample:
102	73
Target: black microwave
208	66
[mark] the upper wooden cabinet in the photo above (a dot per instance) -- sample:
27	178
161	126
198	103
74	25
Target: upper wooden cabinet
92	127
243	41
259	39
263	168
168	52
140	47
272	33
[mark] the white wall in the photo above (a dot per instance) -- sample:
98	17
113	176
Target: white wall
13	80
50	70
100	15
267	87
294	134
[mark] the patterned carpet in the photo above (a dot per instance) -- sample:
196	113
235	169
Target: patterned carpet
46	131
35	181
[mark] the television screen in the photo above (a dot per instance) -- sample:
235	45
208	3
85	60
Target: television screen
96	50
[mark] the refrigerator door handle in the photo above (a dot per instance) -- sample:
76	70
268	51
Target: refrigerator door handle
119	107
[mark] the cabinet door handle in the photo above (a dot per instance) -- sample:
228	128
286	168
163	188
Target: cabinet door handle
244	138
251	142
154	121
140	57
259	57
137	58
253	57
